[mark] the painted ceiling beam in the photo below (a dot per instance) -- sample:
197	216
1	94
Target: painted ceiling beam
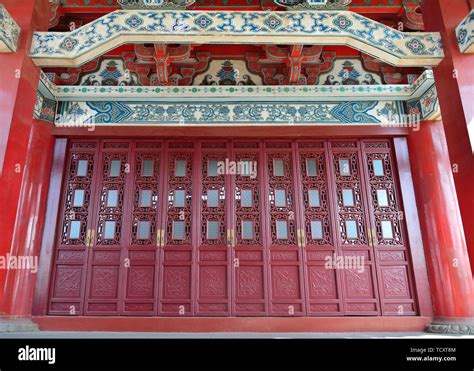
465	34
69	49
295	93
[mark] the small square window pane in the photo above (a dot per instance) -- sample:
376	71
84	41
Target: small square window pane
347	197
278	168
147	168
212	168
178	230
378	167
248	168
145	198
311	168
247	198
247	230
316	230
82	168
344	167
212	198
114	168
313	195
179	196
75	229
112	198
213	230
109	230
382	198
78	198
282	229
180	168
351	229
280	198
143	230
387	231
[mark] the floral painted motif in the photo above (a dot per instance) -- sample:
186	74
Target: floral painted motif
273	22
342	22
203	21
416	46
134	21
68	43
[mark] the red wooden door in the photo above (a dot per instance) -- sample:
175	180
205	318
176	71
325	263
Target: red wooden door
212	255
67	289
177	287
231	227
286	282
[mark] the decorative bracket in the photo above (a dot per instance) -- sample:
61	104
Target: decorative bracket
9	32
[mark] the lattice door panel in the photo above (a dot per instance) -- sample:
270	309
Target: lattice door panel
177	286
284	239
72	251
387	219
108	231
213	252
249	263
354	247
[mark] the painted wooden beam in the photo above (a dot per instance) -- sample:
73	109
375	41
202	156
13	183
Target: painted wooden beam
465	34
236	27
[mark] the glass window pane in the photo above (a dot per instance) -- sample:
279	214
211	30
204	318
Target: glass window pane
382	198
109	230
78	198
247	198
280	198
351	229
387	231
81	168
248	168
179	196
180	168
147	168
247	230
278	168
112	198
212	168
347	197
316	230
314	200
145	198
212	198
311	169
178	230
75	229
213	230
143	230
115	168
378	167
344	167
282	229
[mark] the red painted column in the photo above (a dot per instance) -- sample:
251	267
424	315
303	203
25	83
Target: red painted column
446	252
455	84
25	155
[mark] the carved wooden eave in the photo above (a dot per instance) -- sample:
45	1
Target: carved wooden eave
9	32
69	49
